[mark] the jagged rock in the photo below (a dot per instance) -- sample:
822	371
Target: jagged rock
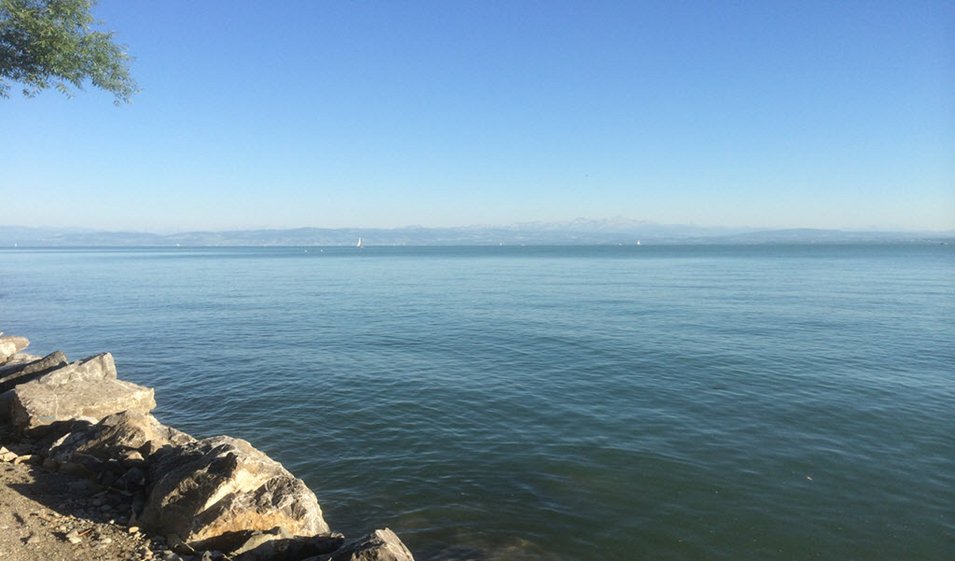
10	346
12	375
90	369
85	390
18	360
124	435
249	541
78	469
103	451
276	544
130	481
208	490
380	545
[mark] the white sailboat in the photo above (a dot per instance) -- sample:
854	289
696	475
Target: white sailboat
360	244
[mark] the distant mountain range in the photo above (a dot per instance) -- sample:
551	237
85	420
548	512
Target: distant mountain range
575	232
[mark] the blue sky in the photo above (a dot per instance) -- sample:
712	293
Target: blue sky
381	114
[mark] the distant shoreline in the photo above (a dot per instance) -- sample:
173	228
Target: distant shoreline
377	246
589	234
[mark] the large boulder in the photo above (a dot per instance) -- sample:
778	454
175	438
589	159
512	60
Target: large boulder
94	368
10	346
17	373
86	391
119	435
380	545
207	491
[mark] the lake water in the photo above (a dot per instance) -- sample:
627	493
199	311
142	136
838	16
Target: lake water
576	403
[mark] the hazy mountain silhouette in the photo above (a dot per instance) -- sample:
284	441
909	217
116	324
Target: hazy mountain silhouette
575	232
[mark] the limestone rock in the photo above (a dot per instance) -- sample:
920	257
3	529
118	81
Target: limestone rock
94	368
10	346
208	490
121	435
380	545
12	375
18	360
87	391
276	544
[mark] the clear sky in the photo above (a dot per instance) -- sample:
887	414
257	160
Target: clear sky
380	114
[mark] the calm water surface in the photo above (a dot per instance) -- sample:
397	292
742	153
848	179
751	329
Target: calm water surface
660	403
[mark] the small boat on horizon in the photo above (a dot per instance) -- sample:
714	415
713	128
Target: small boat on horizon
360	244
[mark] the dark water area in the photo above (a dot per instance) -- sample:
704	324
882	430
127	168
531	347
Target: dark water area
551	403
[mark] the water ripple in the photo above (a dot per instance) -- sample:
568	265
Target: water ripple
552	403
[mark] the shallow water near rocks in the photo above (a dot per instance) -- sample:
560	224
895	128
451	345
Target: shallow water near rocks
566	403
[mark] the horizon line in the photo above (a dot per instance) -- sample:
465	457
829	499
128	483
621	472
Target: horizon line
564	224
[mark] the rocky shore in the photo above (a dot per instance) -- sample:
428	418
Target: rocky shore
86	472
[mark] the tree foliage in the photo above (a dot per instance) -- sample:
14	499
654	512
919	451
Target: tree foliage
46	43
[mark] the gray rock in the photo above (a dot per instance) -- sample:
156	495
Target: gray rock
277	544
87	470
123	435
82	391
207	491
15	372
94	368
10	346
12	375
132	480
18	360
380	545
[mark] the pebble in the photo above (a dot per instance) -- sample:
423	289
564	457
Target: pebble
73	537
6	455
23	459
133	529
167	555
106	540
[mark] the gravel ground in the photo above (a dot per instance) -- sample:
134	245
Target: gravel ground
46	515
50	517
